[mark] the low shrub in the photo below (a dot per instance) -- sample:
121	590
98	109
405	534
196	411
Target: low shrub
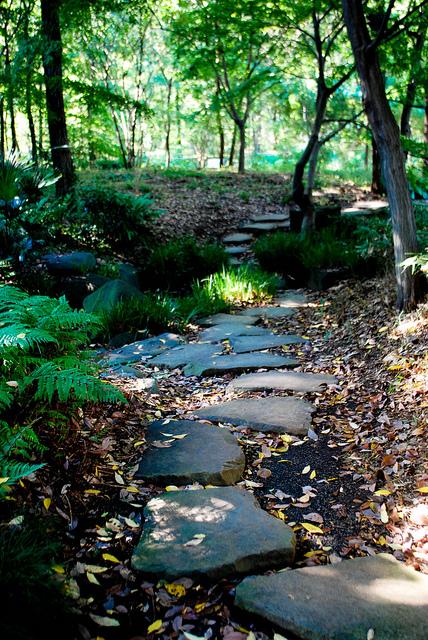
245	284
43	368
176	264
117	217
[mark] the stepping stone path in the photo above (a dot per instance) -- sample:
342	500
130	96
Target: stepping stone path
270	415
243	344
221	531
343	601
281	381
183	452
212	533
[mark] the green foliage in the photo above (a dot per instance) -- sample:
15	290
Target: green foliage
27	553
42	365
117	217
177	263
293	254
242	285
202	301
152	313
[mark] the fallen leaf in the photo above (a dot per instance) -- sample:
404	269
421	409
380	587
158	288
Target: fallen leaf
384	514
311	527
110	558
155	626
104	621
47	503
423	489
175	589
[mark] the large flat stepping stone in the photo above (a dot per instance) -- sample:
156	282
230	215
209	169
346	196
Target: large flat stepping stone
260	227
237	238
244	344
236	362
137	350
187	354
221	318
236	251
216	533
225	331
195	452
342	601
268	312
271	217
291	299
281	381
276	415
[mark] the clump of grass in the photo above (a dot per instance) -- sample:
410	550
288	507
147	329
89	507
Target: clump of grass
245	284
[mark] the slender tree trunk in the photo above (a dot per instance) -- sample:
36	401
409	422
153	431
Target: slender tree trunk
28	108
387	135
178	116
426	125
366	156
233	146
412	84
2	129
377	183
10	95
312	170
40	141
220	130
242	141
299	196
168	125
52	63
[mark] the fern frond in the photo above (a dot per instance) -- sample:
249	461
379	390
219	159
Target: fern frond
24	337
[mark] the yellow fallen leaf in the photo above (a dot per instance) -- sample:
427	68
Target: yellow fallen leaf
423	489
200	606
176	590
93	568
384	514
312	528
306	469
139	443
382	492
58	568
47	503
132	490
92	579
313	475
155	626
171	487
119	478
110	558
93	492
131	523
3	480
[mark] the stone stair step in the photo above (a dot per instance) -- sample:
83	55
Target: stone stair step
196	452
238	238
238	250
269	415
246	344
268	312
260	227
342	601
281	381
215	533
271	217
226	331
238	362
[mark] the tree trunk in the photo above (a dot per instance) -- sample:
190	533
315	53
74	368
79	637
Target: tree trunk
241	161
312	171
232	147
52	64
301	198
2	129
168	125
377	184
10	96
28	108
412	84
220	138
387	136
426	125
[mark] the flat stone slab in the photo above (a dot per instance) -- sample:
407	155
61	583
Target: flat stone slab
260	227
268	312
221	318
216	533
281	381
236	251
271	217
135	351
244	344
237	238
276	415
187	354
206	454
226	331
291	299
342	601
240	362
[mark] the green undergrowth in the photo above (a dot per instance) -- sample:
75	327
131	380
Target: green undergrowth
46	375
156	312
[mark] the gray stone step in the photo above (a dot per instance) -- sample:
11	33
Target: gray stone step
186	354
260	227
244	344
236	251
291	299
237	362
221	318
135	351
235	262
202	453
237	238
276	415
374	597
225	331
215	533
271	217
281	381
268	312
